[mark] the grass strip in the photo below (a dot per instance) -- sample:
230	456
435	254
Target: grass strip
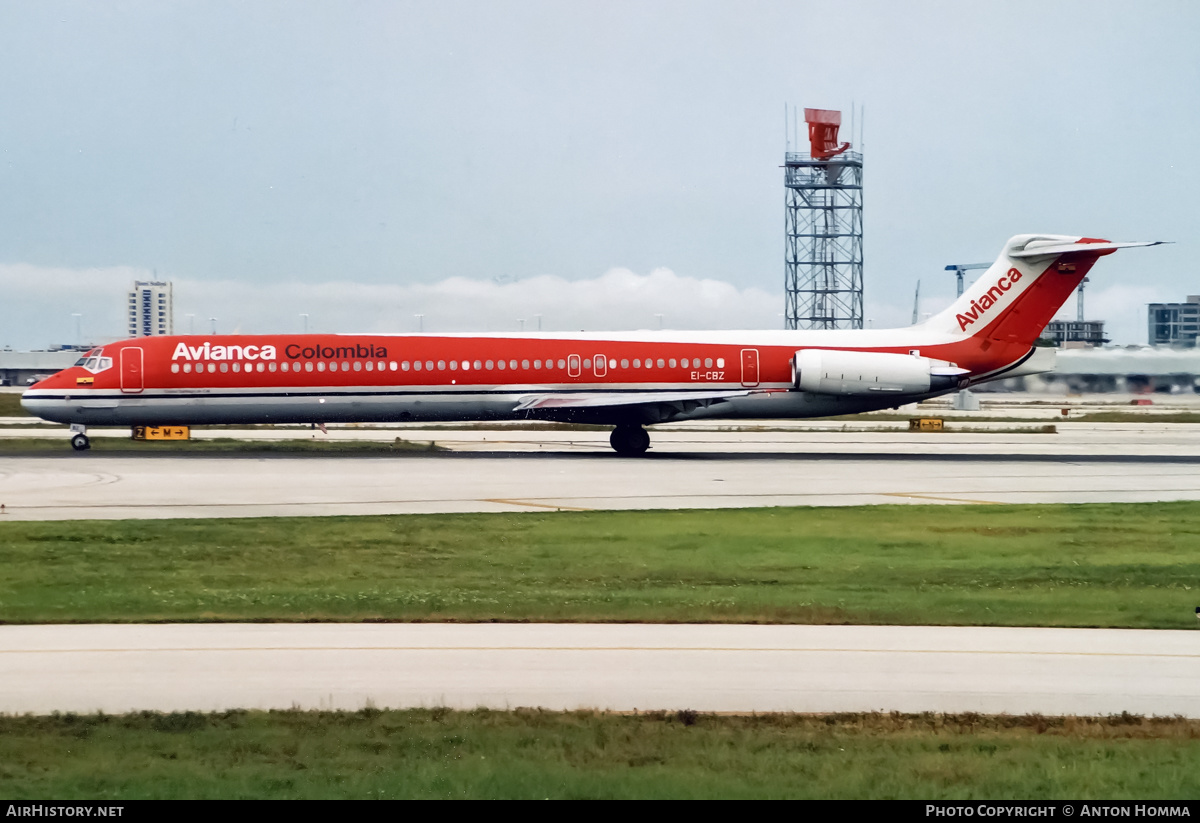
536	754
10	405
216	445
1108	565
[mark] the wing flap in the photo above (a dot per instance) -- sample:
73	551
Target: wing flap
596	400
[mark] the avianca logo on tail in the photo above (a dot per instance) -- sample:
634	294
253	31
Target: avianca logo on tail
209	352
979	307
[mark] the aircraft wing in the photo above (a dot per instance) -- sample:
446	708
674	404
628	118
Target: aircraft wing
598	400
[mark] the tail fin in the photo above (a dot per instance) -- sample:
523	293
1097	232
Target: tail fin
1020	293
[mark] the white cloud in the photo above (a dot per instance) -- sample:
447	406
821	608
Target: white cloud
39	303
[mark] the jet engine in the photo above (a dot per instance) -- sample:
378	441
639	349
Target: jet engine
824	371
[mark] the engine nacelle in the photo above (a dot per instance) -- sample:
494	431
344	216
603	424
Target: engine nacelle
822	371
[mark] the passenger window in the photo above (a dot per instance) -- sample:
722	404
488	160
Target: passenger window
237	366
370	365
403	365
562	364
224	367
416	365
441	365
720	362
537	364
637	363
624	364
187	368
670	362
392	365
357	365
466	365
320	365
428	365
525	364
500	364
453	365
708	362
477	365
308	365
512	364
346	365
489	365
175	368
661	363
271	366
587	362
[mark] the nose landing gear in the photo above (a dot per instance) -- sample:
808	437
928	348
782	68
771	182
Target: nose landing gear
629	441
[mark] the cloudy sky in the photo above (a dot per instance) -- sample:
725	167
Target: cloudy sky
594	163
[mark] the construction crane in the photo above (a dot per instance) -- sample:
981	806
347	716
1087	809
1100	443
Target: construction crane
959	269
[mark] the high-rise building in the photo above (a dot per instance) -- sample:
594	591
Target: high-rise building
1175	324
150	309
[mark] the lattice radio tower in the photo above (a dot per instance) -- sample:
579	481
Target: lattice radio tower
824	262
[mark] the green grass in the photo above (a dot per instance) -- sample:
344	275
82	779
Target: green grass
534	754
10	405
1134	417
1116	565
216	445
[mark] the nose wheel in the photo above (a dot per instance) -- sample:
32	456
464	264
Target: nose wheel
81	443
629	441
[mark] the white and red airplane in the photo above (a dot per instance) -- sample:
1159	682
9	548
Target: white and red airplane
624	379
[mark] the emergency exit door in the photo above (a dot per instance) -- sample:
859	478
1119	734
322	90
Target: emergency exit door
131	369
749	367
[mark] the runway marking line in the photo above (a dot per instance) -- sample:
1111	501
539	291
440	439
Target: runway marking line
938	497
600	649
508	502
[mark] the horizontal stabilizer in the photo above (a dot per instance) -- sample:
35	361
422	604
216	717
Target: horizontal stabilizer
1046	248
595	400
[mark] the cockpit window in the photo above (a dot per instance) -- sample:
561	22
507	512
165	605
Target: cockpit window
95	362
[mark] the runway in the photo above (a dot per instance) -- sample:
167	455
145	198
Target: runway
508	471
715	668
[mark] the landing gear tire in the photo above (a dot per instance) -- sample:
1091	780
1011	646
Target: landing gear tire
629	441
81	443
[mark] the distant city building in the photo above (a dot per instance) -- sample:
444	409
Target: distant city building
20	368
151	310
1086	332
1175	324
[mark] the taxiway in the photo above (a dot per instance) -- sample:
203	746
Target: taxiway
516	470
716	668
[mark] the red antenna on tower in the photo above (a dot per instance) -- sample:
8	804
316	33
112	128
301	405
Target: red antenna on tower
823	133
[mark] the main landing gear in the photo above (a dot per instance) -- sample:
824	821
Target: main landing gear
629	441
79	438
